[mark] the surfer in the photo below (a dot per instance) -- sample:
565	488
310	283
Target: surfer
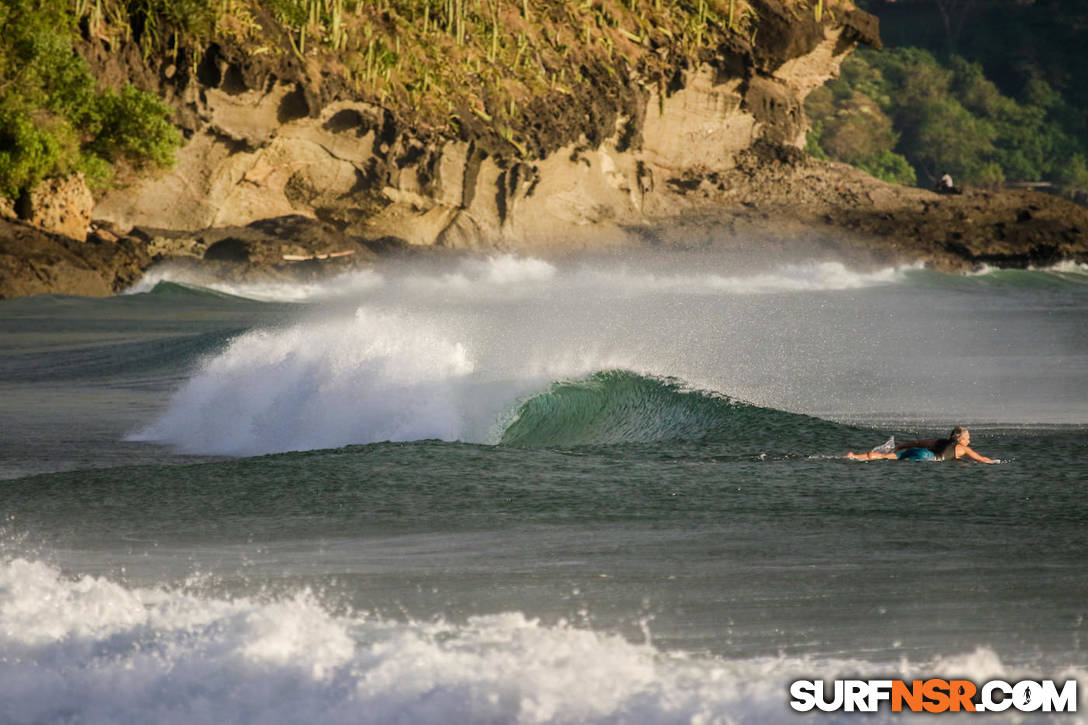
956	445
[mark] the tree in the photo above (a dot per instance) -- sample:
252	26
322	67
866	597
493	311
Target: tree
954	15
891	167
858	130
54	119
949	139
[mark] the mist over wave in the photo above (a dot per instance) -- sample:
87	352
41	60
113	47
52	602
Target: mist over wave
370	377
269	291
429	354
89	649
505	274
418	351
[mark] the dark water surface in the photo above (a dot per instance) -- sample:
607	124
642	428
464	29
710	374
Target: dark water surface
517	491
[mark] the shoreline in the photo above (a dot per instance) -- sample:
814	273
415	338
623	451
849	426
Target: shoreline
811	208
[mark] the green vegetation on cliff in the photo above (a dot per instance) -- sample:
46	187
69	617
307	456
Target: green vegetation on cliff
508	66
529	75
53	117
432	58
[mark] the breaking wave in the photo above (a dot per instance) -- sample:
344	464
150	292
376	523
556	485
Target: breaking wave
619	406
463	352
411	353
88	649
323	385
478	277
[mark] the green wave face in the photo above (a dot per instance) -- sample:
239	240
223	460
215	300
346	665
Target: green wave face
622	407
182	291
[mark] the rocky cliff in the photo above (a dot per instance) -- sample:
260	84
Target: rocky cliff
265	144
706	140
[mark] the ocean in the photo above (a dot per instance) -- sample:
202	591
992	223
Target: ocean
503	489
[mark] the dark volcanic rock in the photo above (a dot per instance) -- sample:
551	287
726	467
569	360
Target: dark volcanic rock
36	262
778	192
271	243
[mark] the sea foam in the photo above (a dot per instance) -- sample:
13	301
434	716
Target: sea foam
507	274
372	376
355	282
88	649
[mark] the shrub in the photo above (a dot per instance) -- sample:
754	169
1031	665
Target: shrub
858	130
889	166
812	141
134	128
53	119
33	145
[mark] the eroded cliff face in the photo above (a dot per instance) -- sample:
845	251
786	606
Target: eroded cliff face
263	146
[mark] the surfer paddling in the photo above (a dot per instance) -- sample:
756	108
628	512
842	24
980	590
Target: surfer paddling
956	445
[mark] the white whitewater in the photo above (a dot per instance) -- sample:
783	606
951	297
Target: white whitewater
117	654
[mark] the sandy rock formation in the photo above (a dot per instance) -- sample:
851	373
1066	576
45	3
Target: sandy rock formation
264	147
62	206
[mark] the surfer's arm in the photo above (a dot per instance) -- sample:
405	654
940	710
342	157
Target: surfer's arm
964	450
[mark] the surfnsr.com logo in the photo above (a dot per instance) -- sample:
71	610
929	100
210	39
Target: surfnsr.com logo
933	695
